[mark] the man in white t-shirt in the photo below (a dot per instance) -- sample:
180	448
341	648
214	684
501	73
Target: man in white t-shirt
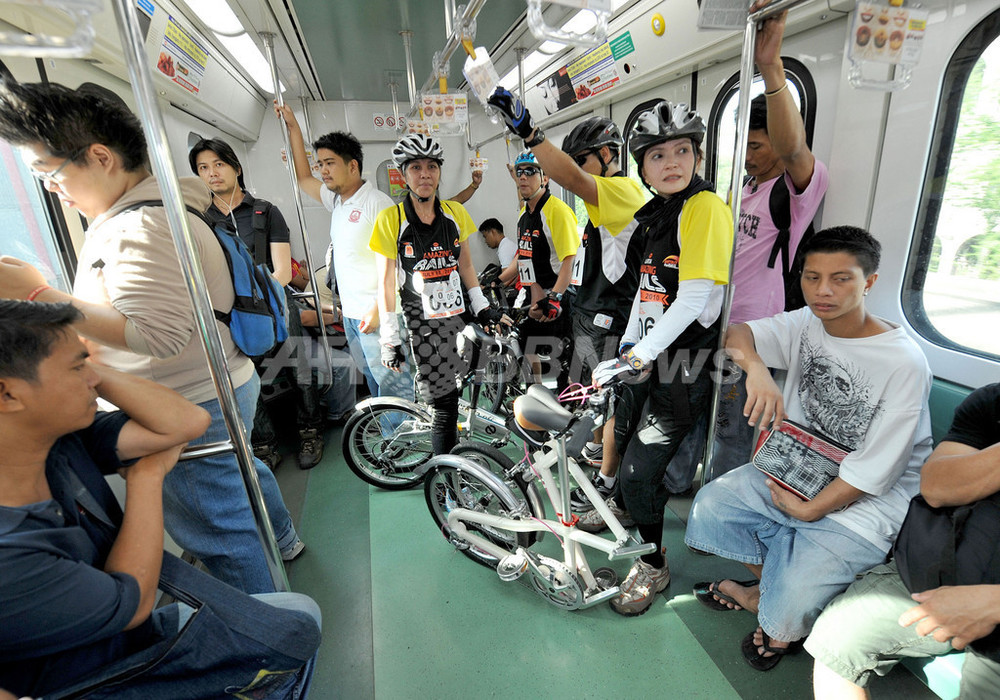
852	377
506	249
353	204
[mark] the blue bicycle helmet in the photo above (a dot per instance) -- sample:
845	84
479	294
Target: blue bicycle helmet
527	158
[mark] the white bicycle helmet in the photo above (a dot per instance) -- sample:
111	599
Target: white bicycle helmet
415	146
664	122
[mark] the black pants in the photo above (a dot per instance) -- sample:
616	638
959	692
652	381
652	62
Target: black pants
439	368
289	362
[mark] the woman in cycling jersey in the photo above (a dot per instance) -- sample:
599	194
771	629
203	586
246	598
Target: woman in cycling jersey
672	331
419	248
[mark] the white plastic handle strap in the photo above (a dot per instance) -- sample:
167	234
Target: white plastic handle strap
595	37
76	44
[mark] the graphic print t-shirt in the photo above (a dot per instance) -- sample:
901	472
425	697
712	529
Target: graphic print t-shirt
869	394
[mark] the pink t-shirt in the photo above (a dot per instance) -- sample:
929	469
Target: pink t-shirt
759	291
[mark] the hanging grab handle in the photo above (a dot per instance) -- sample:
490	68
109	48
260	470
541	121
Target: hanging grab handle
594	37
75	45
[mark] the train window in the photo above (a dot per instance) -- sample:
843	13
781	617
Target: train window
628	164
953	275
721	141
24	221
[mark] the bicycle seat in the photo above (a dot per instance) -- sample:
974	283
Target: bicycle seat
475	332
538	409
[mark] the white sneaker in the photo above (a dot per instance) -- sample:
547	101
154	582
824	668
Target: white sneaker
593	453
592	521
640	588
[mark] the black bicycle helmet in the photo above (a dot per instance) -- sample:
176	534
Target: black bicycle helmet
415	146
664	122
591	134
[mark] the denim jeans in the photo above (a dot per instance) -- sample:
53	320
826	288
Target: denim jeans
367	353
805	565
206	511
342	395
285	601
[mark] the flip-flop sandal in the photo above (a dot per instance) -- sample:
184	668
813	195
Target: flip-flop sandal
707	591
760	662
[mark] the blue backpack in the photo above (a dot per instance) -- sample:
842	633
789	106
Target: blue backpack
258	319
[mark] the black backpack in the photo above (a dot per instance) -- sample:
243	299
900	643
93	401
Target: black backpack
780	205
953	546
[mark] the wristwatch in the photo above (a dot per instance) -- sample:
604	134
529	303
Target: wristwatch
539	137
556	295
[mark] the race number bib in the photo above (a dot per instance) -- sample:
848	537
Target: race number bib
442	298
649	313
581	256
526	271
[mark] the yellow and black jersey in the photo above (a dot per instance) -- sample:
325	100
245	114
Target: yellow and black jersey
606	268
545	237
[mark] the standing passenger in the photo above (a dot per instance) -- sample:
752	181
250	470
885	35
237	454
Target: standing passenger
354	204
506	249
674	325
606	267
418	244
138	318
547	241
260	225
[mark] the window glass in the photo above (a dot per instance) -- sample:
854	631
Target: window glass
26	231
954	273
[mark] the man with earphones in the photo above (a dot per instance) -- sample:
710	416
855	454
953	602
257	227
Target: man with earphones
262	228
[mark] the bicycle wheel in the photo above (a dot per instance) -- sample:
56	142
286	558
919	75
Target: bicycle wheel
502	465
486	456
506	379
384	444
447	487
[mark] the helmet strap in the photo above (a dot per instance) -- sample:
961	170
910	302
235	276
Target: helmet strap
534	194
604	165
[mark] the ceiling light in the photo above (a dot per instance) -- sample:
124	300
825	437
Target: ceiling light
216	15
581	23
250	59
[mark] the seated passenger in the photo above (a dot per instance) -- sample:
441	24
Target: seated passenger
90	151
78	578
876	623
506	249
853	377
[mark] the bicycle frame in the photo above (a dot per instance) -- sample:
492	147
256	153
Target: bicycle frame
512	566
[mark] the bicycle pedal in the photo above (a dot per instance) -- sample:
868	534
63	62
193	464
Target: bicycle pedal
512	567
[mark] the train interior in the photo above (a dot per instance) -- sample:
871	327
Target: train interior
913	153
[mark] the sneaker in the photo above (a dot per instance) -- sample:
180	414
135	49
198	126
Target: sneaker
268	454
578	500
640	587
593	453
294	551
310	448
593	522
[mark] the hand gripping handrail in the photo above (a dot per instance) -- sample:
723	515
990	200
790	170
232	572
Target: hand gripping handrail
166	176
75	45
736	187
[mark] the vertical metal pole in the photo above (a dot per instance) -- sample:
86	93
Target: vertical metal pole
268	39
306	128
449	17
736	187
393	89
411	81
166	176
519	53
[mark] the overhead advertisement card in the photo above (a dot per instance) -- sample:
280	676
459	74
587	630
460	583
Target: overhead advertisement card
182	58
591	74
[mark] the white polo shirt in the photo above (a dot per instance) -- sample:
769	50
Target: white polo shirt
351	227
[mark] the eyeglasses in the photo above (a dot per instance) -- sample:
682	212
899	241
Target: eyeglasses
526	172
581	158
51	177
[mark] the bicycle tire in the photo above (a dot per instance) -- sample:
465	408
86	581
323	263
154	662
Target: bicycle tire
502	465
384	444
500	389
447	487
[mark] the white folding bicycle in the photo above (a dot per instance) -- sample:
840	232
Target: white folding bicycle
494	521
